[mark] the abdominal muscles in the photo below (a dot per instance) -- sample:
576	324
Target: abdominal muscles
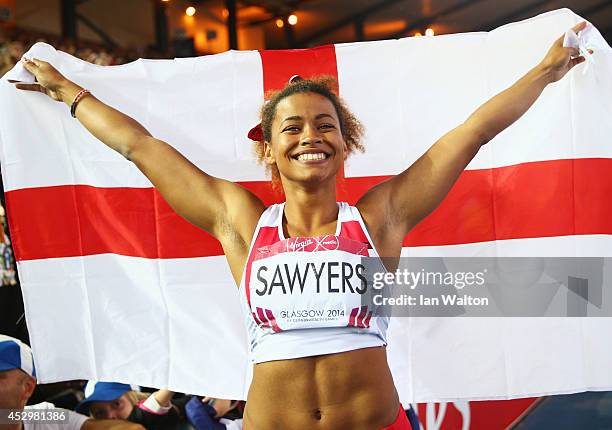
352	389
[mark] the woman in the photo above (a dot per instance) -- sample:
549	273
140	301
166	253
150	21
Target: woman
332	373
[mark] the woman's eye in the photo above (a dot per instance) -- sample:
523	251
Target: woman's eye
295	128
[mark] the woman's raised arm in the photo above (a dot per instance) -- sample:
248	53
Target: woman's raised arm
220	207
404	200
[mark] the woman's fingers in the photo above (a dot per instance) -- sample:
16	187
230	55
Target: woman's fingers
46	78
576	61
29	66
579	27
33	65
31	87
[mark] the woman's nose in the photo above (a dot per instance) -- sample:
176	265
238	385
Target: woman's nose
310	135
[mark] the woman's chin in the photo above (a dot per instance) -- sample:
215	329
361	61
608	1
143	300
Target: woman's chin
318	179
315	176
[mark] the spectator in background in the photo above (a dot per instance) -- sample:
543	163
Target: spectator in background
17	383
214	414
10	53
112	400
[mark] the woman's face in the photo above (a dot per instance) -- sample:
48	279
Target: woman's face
307	143
118	409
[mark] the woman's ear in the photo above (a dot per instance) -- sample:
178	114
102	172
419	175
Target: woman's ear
268	156
346	150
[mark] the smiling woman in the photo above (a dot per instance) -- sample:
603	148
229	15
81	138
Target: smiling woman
319	353
339	118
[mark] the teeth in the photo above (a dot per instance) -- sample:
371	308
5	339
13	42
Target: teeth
306	157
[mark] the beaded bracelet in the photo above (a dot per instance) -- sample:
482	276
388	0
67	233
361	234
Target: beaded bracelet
76	101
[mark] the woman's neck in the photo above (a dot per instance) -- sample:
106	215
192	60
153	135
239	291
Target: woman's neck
310	212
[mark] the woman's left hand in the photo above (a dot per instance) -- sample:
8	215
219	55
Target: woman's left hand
559	60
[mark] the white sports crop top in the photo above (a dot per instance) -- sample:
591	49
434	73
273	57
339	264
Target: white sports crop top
301	295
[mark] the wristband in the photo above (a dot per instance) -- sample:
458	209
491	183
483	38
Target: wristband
76	101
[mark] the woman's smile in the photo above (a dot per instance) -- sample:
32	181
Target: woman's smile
314	156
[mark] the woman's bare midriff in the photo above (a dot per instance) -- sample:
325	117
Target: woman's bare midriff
348	390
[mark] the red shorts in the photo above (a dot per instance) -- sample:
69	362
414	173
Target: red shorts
401	421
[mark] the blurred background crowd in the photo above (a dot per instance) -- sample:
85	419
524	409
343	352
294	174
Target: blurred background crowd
74	405
15	42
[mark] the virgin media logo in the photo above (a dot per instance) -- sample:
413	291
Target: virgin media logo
300	244
310	244
328	243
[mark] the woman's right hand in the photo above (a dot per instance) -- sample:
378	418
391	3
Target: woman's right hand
48	80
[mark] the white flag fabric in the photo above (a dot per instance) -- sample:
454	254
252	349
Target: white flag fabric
118	288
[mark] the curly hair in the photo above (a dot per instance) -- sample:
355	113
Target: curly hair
327	86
